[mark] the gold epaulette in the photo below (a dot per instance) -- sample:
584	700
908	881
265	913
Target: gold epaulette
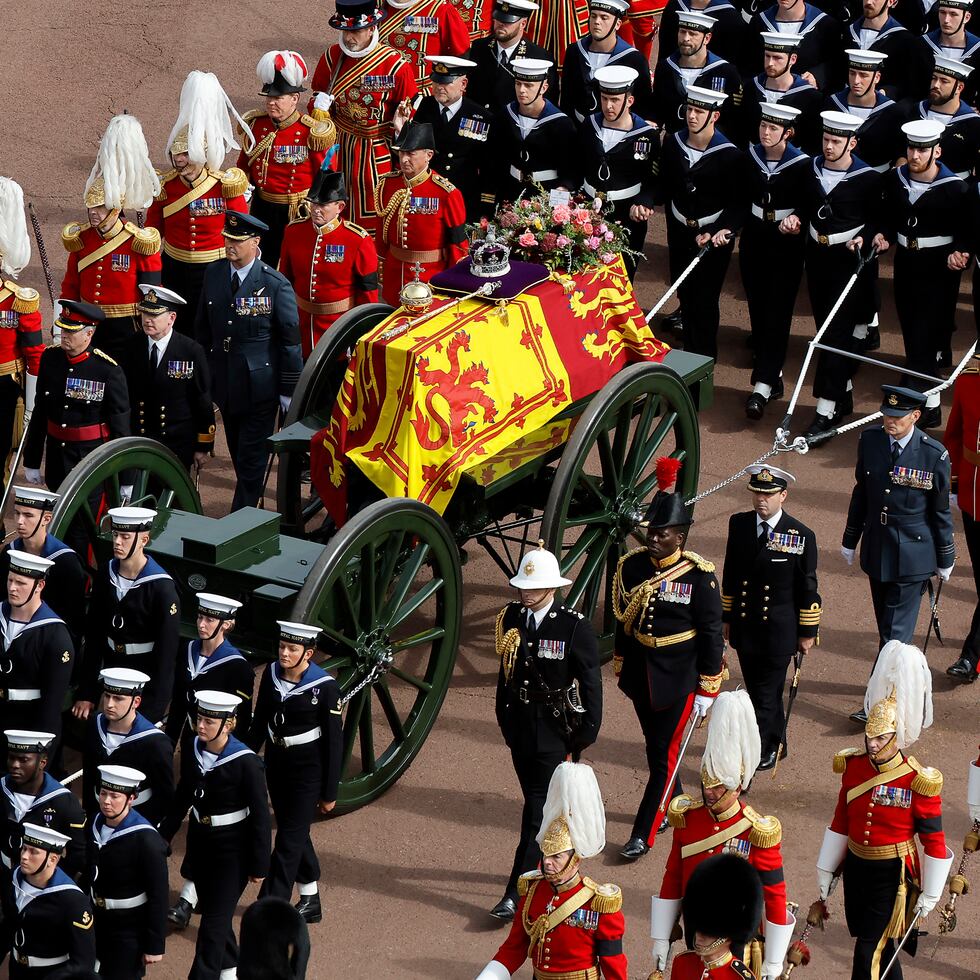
357	229
678	809
606	898
323	133
766	831
234	182
440	181
146	241
104	356
163	178
973	367
26	300
619	593
320	114
840	759
811	616
526	880
71	237
702	563
927	781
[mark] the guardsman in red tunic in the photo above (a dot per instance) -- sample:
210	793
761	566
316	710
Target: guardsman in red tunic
21	342
722	906
362	82
566	924
416	28
962	439
422	216
189	211
557	26
886	799
289	147
110	258
331	263
720	823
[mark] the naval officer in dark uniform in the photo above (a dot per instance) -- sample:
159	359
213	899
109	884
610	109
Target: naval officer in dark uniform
249	325
169	380
549	696
899	513
769	599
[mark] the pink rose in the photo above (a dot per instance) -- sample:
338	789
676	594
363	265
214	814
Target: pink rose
527	239
603	229
593	242
563	241
561	214
587	228
608	258
609	236
581	215
549	240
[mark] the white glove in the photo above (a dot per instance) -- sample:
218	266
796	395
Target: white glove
944	573
777	943
249	191
832	852
848	554
33	476
973	791
30	391
935	871
323	101
663	918
824	880
284	402
125	494
55	329
702	705
494	970
661	949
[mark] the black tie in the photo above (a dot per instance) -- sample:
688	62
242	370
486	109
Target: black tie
763	534
154	358
235	281
532	628
503	59
445	115
896	452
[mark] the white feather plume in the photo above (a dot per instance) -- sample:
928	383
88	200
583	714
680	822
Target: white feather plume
290	64
15	243
206	112
123	163
573	793
733	748
902	670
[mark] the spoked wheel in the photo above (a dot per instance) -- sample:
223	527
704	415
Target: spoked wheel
159	481
313	401
607	477
387	592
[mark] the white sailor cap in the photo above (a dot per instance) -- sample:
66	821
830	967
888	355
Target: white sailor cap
217	606
35	497
24	740
695	20
216	704
530	69
24	563
768	479
511	11
840	123
777	41
865	60
704	98
298	632
157	300
445	67
619	8
123	680
615	78
776	112
952	68
34	835
122	779
923	132
131	518
959	4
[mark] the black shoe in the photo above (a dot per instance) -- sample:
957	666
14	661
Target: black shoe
674	322
844	407
505	909
860	716
767	762
308	906
932	418
871	342
179	915
635	848
664	826
819	425
964	670
777	390
755	406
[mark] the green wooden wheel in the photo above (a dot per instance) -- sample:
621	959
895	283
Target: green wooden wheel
607	476
158	478
313	400
387	592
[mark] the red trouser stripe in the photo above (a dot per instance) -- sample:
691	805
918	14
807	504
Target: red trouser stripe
672	753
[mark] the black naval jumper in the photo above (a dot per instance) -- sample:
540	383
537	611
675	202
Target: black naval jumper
127	864
960	141
579	92
228	841
538	665
819	47
728	35
801	95
769	601
770	262
906	71
303	735
491	84
53	925
145	748
670	92
880	137
139	631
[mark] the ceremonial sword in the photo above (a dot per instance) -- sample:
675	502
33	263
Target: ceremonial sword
898	948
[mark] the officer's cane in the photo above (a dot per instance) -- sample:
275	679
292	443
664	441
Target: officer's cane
680	758
677	283
933	626
793	691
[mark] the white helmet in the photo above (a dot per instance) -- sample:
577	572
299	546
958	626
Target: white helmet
539	570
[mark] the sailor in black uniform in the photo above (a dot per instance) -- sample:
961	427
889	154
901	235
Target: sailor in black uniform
729	34
952	40
297	718
134	617
818	34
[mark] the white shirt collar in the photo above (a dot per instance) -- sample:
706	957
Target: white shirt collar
539	614
453	108
507	50
161	345
243	272
903	442
771	521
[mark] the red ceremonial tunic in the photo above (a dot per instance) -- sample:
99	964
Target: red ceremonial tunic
882	821
331	269
698	834
962	439
106	270
367	92
690	966
557	26
476	16
425	27
191	217
590	936
21	341
418	222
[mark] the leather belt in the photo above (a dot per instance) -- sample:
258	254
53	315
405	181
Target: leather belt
24	960
524	176
78	433
11	367
931	241
220	819
623	194
881	852
838	238
527	696
205	255
288	741
112	310
20	694
770	214
413	255
324	309
120	903
694	222
664	641
130	649
273	198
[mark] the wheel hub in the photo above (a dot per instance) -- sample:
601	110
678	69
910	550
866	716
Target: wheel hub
375	653
627	513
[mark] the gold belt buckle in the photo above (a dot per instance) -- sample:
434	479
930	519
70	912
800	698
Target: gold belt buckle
823	240
770	215
120	648
206	820
692	223
22	959
914	244
99	902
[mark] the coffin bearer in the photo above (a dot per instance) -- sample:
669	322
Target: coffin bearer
769	598
169	381
549	695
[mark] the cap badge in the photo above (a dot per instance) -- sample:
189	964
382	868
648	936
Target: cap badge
151	296
765	476
232	220
529	568
893	399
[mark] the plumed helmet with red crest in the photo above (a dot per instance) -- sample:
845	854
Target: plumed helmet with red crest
667	509
281	73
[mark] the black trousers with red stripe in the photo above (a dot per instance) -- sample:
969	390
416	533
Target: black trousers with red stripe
971	645
663	731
